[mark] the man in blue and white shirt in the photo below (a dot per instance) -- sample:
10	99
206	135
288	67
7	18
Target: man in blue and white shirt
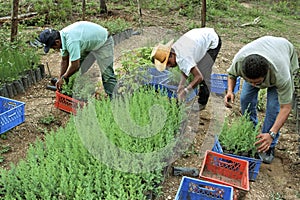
194	53
81	43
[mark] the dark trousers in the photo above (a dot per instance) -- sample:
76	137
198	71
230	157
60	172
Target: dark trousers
205	67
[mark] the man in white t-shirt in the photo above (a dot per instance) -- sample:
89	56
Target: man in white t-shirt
81	43
194	53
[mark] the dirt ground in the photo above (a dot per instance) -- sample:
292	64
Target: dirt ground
280	180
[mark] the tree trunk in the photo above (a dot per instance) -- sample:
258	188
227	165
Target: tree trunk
203	13
83	10
14	20
103	8
140	14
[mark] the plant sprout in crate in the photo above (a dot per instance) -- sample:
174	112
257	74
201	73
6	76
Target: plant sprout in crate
239	135
80	87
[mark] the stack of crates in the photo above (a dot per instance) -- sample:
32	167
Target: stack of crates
226	170
254	164
221	177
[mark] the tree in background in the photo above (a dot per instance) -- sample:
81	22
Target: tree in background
14	20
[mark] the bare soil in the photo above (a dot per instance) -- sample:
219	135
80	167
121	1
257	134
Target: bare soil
279	180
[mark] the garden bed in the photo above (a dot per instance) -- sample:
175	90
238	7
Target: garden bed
30	77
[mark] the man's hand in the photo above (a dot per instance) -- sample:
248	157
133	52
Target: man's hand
180	88
229	99
181	95
59	83
264	142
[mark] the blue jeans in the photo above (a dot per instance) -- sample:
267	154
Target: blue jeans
248	100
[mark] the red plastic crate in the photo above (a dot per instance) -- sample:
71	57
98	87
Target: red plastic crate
227	170
68	104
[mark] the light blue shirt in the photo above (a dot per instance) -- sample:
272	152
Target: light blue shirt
80	38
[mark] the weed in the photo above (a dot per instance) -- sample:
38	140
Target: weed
276	196
3	136
3	149
47	120
2	159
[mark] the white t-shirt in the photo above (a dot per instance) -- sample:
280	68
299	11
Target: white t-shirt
191	47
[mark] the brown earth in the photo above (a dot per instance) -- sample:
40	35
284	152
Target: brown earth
280	180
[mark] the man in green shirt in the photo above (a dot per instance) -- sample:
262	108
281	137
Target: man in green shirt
81	43
268	62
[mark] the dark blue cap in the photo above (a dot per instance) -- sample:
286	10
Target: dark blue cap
48	37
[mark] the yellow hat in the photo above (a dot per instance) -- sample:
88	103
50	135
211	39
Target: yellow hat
160	55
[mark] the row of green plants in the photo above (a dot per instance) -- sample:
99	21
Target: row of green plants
15	59
84	159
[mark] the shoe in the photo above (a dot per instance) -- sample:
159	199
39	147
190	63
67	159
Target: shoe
196	107
268	156
53	81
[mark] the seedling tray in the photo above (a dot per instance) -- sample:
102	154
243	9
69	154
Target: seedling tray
195	189
219	83
254	164
67	104
12	113
224	169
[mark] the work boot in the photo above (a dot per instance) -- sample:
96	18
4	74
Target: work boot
268	156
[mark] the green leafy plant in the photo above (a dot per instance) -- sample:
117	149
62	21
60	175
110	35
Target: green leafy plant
3	149
47	120
79	87
239	135
114	26
15	59
133	59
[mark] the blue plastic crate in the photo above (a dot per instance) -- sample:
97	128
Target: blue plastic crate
254	164
12	113
219	83
195	189
158	76
161	81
